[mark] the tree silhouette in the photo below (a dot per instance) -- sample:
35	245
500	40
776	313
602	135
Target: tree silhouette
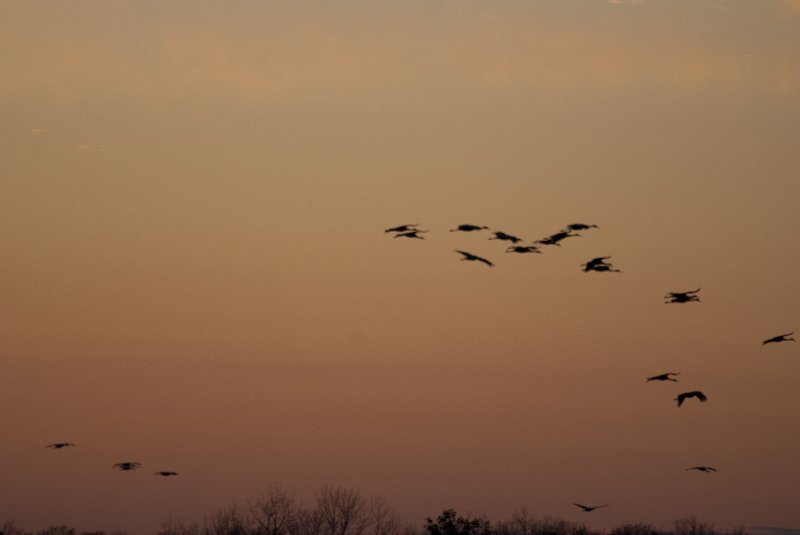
449	523
343	511
692	526
274	513
635	529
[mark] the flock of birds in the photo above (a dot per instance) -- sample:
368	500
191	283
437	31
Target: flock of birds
599	264
123	466
596	264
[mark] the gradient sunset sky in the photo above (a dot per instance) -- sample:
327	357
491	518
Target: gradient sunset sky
195	275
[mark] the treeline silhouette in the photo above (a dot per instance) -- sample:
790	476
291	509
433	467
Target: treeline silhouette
342	511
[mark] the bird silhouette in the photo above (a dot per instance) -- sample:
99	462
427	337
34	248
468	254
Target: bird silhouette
523	249
411	234
166	474
507	237
693	394
126	466
682	297
663	377
402	228
598	261
474	258
779	338
603	267
707	469
553	239
580	226
467	228
590	508
59	445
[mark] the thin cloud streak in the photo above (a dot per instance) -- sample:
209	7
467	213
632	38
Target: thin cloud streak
309	59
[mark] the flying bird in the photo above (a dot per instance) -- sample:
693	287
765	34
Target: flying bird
523	249
682	297
603	267
467	228
663	377
779	338
707	469
599	261
580	226
553	239
474	258
693	394
59	445
411	234
547	241
599	264
126	466
590	508
402	228
166	474
507	237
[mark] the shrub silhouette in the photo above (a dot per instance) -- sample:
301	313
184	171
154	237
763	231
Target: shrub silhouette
449	523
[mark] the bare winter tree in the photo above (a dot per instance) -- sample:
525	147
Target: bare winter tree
385	520
692	526
9	527
275	513
178	527
523	523
634	529
228	521
342	511
308	522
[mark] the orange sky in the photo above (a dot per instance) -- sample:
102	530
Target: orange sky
196	275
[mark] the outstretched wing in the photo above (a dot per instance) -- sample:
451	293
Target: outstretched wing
401	228
411	234
779	338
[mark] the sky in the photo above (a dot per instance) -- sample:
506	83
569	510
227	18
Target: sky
196	275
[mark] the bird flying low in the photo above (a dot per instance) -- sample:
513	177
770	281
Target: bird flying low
553	239
507	237
590	508
59	445
779	338
523	249
707	469
683	297
693	394
580	226
599	264
604	267
402	228
467	228
126	466
166	474
663	377
474	258
411	234
600	260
